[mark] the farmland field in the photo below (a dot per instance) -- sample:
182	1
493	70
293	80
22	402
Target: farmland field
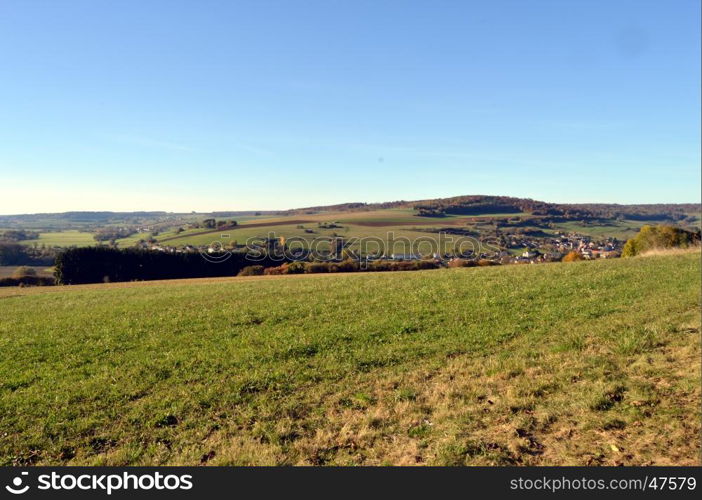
63	239
383	226
393	229
578	364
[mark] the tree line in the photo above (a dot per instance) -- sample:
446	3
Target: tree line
14	254
104	264
342	266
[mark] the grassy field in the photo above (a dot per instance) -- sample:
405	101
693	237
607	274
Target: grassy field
402	236
63	239
622	230
385	224
593	363
397	229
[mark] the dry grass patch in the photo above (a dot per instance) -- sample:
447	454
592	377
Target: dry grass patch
589	406
657	252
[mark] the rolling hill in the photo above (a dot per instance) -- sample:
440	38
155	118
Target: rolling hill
481	216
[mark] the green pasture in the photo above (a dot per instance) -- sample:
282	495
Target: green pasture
559	364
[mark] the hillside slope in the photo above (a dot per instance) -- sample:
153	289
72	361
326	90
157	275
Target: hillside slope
581	363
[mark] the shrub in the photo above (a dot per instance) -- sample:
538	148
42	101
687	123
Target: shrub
27	280
426	264
275	271
485	262
24	271
251	271
345	266
572	256
286	268
9	282
295	268
380	265
317	267
462	263
659	237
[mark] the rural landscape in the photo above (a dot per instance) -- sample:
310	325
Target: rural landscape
496	230
580	359
455	245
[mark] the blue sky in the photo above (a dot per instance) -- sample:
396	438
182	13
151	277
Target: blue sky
233	105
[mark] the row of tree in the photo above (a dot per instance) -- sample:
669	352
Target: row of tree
214	223
344	266
14	254
113	233
104	264
19	235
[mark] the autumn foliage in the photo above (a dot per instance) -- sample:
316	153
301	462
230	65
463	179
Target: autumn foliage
660	237
572	256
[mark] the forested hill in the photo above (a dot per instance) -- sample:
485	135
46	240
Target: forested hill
102	218
439	207
482	204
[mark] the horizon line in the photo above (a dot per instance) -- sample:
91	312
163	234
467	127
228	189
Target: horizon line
269	210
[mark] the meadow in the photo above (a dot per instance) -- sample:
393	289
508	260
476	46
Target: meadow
397	225
400	224
586	363
66	238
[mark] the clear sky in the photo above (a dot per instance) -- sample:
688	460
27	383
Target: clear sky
262	104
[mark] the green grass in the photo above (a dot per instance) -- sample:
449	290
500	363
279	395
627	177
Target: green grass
401	223
371	224
622	230
401	235
63	239
354	225
582	363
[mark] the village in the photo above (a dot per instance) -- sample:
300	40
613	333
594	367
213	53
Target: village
535	250
517	249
